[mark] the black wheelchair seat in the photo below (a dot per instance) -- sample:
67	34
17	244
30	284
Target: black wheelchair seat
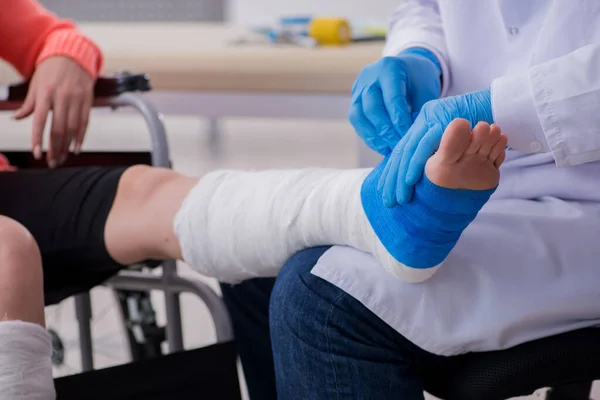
550	362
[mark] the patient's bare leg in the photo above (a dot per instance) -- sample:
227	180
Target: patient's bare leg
25	345
21	277
140	223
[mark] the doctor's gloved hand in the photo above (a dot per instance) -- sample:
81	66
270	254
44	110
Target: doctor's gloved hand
386	94
407	161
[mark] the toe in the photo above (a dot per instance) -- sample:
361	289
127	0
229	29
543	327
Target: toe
498	148
455	140
500	159
491	139
479	136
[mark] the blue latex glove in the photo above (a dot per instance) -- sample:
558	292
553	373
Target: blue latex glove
386	94
407	162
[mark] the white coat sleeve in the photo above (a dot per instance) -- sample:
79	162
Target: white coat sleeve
417	23
553	107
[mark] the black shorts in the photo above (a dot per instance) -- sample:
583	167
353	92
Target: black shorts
66	211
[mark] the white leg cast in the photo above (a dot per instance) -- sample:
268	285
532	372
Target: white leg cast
25	363
236	225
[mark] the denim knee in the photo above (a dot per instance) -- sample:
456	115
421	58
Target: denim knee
289	293
327	345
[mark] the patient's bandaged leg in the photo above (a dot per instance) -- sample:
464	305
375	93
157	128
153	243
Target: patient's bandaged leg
25	363
236	225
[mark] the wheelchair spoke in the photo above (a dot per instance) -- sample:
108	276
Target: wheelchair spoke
99	316
123	328
54	318
110	353
108	336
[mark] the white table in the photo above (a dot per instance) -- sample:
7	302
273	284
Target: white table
196	70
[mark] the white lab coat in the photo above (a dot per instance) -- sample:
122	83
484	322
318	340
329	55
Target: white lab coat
529	265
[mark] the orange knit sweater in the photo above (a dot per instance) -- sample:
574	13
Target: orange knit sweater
29	34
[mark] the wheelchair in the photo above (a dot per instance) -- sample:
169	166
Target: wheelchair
131	287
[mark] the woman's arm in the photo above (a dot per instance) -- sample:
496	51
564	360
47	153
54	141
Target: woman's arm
62	65
30	34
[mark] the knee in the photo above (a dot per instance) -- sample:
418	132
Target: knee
19	254
141	182
293	297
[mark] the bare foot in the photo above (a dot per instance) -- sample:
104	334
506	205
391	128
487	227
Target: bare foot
468	160
414	239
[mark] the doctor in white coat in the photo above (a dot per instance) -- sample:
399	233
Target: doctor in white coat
527	267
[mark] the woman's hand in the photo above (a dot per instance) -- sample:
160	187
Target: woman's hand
61	85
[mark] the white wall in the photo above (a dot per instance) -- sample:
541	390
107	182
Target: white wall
257	12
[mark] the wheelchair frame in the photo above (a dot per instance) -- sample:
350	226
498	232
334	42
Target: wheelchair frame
119	92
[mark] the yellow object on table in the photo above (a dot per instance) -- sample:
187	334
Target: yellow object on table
330	31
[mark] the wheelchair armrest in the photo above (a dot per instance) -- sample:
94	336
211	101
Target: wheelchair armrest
105	87
114	92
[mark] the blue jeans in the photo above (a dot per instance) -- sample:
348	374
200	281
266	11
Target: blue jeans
327	345
248	305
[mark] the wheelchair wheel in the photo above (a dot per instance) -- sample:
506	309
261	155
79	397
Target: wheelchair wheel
145	337
109	334
123	326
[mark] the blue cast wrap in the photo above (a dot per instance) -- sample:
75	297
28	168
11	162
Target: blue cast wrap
421	233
